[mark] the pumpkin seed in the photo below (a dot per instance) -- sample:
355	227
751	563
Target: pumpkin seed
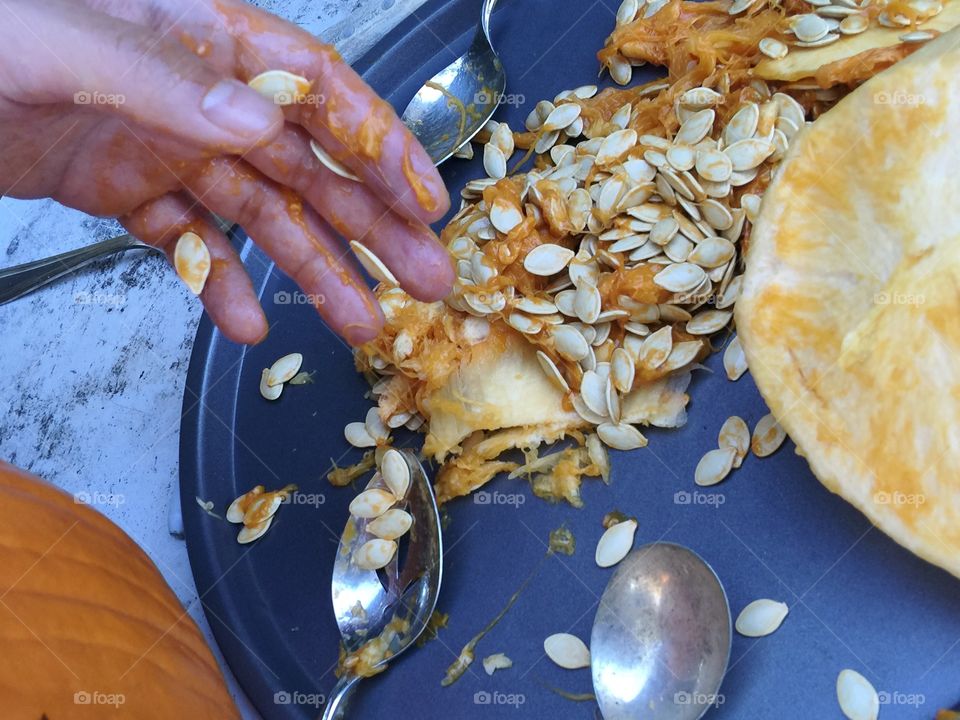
656	348
854	24
395	472
391	525
680	277
681	157
708	321
768	435
357	435
375	554
191	259
773	48
742	125
712	252
586	303
917	36
499	661
622	116
567	651
372	264
334	165
494	161
615	145
713	165
700	97
682	354
561	117
569	343
615	543
621	436
761	617
280	86
593	390
734	361
284	369
504	215
547	259
251	533
375	426
502	137
714	466
622	370
809	27
696	127
748	154
551	371
857	697
735	434
372	503
266	390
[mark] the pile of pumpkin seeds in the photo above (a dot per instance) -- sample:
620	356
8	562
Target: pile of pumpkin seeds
827	22
664	206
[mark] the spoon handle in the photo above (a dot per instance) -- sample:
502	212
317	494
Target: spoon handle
485	14
19	280
337	702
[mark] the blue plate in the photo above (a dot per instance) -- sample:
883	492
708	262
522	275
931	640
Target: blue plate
770	530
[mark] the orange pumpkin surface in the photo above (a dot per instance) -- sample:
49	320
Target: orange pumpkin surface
88	626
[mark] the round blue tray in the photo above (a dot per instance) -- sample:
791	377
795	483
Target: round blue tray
770	530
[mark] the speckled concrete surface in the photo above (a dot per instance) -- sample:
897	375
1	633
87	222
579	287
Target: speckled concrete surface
93	368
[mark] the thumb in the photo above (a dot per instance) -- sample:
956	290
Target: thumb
57	51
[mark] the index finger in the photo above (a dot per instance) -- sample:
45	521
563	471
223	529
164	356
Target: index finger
355	125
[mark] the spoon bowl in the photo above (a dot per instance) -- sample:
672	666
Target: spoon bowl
390	607
454	104
661	637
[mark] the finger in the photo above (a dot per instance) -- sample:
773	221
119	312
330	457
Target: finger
228	295
301	244
409	248
341	111
65	52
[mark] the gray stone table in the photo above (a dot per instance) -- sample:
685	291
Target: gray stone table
93	368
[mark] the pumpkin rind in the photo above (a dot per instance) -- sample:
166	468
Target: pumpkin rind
87	619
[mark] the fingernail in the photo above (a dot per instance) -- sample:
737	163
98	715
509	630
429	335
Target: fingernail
235	108
357	334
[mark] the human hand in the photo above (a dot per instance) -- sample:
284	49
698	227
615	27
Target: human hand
140	110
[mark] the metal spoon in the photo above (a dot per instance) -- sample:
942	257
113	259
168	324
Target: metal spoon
444	115
398	601
455	103
661	637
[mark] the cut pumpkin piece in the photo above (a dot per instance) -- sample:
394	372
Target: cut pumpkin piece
849	309
503	386
845	61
